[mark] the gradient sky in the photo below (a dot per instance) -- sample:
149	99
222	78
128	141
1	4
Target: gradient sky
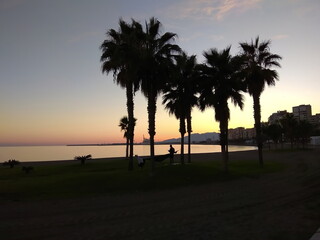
53	92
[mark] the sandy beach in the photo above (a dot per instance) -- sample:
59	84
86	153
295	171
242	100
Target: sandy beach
281	205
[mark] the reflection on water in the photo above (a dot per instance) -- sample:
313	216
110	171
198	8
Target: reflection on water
48	153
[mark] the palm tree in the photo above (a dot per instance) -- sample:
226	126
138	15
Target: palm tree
189	72
174	103
155	60
119	55
289	125
221	83
180	95
257	71
124	126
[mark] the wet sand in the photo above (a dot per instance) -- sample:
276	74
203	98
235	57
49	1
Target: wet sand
282	205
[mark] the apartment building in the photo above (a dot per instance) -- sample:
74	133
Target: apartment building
241	133
302	112
275	117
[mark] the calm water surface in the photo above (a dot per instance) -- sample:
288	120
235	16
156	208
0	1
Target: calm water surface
49	153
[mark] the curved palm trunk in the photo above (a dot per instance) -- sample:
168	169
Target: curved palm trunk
152	108
182	131
257	125
189	130
130	107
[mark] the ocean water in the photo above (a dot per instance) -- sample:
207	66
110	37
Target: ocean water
49	153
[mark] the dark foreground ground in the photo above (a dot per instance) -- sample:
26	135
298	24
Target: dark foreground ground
282	205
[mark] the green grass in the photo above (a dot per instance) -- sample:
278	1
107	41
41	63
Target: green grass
111	177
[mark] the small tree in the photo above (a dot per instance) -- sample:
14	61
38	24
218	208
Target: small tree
83	158
273	132
289	126
11	163
303	133
124	126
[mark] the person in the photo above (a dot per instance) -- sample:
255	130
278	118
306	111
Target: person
140	161
171	152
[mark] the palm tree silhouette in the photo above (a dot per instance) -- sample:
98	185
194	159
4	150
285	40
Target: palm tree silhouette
124	126
257	71
180	95
119	55
219	84
155	60
289	125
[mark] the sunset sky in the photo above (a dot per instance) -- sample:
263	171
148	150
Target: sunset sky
53	92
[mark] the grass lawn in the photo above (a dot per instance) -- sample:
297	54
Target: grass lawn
68	180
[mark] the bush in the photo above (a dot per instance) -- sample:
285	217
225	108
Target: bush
83	158
27	169
11	163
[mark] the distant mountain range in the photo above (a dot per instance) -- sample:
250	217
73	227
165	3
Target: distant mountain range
196	137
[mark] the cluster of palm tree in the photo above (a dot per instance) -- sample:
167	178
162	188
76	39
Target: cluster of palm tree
142	58
289	129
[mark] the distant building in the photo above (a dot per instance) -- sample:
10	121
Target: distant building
315	119
236	133
249	133
275	117
241	133
145	140
302	112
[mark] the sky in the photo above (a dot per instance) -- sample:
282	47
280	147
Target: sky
52	90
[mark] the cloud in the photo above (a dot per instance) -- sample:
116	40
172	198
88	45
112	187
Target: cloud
217	9
280	36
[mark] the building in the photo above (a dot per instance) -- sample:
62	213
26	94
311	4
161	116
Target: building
249	133
236	133
275	117
241	133
315	119
302	112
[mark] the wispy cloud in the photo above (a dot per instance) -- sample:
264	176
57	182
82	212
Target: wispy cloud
217	9
280	36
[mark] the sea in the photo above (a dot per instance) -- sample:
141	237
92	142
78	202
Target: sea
56	153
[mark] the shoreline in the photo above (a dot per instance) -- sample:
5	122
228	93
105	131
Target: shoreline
202	156
198	156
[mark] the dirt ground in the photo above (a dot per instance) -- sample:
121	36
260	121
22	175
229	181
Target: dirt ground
283	205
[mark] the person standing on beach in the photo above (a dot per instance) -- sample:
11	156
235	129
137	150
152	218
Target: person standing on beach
171	152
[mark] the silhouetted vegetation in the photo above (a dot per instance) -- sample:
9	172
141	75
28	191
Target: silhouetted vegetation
257	62
142	58
124	126
11	163
289	129
220	82
119	55
27	169
180	96
83	159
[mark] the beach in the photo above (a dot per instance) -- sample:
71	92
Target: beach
280	205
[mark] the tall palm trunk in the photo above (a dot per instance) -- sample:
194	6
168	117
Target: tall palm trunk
127	148
223	143
257	125
189	130
182	132
130	108
152	108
